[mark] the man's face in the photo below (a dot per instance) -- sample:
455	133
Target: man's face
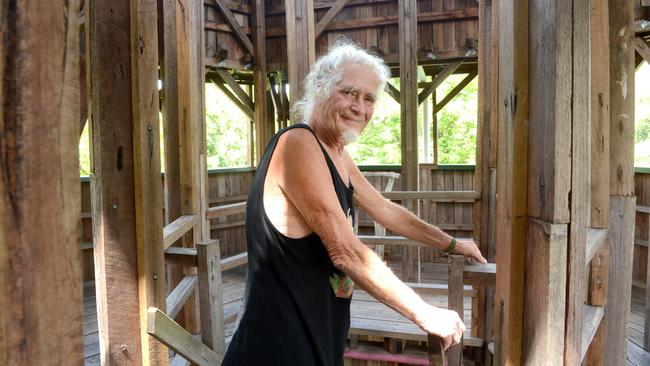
352	103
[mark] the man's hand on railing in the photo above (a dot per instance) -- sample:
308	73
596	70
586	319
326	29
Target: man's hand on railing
470	250
442	322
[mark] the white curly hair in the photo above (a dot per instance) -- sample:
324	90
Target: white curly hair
327	72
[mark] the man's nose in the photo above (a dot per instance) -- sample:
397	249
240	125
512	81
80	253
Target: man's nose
356	105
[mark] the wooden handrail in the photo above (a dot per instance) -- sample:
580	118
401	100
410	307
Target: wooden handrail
437	196
178	297
591	318
225	210
177	229
595	240
234	261
167	331
640	208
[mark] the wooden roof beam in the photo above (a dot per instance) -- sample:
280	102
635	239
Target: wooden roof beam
444	74
248	111
642	48
331	13
236	27
452	94
393	92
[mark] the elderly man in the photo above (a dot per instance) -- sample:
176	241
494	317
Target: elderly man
304	259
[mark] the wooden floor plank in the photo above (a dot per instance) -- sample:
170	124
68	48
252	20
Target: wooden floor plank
234	284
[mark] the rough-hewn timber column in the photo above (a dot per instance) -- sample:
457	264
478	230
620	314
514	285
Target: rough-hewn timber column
598	276
409	109
300	44
621	181
550	132
40	259
512	179
112	182
259	79
484	210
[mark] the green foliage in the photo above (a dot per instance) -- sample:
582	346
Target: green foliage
642	117
84	152
457	123
227	131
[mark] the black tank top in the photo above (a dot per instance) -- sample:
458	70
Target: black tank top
297	304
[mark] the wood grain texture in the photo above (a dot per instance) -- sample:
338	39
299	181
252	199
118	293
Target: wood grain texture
300	44
262	131
512	167
580	199
146	171
164	329
113	182
546	291
210	295
621	39
550	117
40	260
455	353
617	310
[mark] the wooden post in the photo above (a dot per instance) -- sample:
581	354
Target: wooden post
455	353
301	48
512	165
112	181
621	181
262	133
175	111
545	294
183	114
146	170
598	267
210	295
577	280
482	213
40	260
408	111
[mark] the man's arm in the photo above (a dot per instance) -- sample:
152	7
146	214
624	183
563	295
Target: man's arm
306	181
399	220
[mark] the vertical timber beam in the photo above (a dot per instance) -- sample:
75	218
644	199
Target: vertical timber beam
301	47
511	184
191	142
597	295
621	181
409	109
112	182
176	110
262	133
146	170
482	172
198	26
549	183
577	280
40	261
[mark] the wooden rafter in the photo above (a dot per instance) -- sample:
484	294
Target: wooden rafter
236	88
243	107
469	13
448	70
331	13
236	27
393	92
452	94
275	96
642	48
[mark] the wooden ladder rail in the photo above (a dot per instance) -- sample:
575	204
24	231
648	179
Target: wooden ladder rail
476	275
206	258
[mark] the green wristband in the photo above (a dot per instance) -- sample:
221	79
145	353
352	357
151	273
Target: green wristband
451	246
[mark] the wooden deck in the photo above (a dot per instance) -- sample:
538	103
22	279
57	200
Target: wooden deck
365	310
